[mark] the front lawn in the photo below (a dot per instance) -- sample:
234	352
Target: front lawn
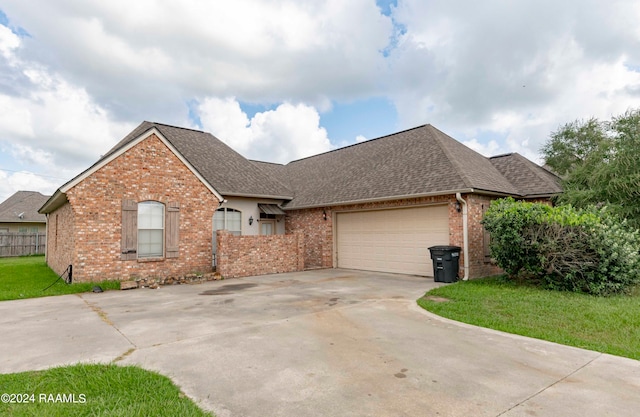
603	324
29	277
93	390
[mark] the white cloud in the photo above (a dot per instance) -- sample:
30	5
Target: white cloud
10	182
360	138
287	133
498	76
8	41
137	55
491	148
485	69
55	118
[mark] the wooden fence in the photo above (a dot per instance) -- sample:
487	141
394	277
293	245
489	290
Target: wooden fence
20	244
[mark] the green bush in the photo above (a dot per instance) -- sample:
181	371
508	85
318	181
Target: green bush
563	248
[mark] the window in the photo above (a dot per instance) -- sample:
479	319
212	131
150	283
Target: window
150	229
228	219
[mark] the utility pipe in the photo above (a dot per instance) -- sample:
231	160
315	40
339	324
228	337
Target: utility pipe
465	235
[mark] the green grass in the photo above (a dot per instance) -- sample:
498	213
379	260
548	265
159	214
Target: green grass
108	390
603	324
28	277
98	390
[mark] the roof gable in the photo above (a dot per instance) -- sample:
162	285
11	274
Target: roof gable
220	168
138	135
231	173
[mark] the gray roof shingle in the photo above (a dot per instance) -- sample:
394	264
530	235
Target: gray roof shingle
225	169
414	162
417	161
529	178
25	202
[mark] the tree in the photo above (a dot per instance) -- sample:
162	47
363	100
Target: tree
571	145
599	163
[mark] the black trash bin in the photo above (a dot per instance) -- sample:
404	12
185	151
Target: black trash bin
445	263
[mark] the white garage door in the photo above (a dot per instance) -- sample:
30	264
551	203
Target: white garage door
391	240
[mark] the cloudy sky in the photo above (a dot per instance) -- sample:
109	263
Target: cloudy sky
283	79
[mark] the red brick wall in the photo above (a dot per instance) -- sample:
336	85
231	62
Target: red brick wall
248	255
479	265
317	235
61	238
148	171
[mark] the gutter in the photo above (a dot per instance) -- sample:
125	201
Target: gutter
379	199
465	235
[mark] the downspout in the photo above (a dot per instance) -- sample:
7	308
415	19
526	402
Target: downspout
46	238
465	235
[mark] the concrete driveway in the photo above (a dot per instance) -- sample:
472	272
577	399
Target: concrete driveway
317	343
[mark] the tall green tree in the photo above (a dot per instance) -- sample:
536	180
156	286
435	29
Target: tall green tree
599	163
571	145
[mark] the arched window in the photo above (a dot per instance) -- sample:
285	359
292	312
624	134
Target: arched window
228	219
150	229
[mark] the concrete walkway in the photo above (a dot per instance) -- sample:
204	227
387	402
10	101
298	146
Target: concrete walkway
317	343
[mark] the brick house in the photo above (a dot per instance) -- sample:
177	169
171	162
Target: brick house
22	228
19	213
168	201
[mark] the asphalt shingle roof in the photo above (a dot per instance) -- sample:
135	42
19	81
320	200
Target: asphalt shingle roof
225	169
529	178
418	161
415	162
25	202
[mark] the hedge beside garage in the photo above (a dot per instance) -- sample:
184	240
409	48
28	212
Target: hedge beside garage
564	248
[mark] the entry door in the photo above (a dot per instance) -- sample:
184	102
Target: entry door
394	240
267	227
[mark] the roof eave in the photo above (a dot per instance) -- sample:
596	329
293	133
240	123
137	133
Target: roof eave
382	199
496	193
248	195
57	200
543	195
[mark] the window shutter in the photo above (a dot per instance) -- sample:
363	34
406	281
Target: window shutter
129	245
172	231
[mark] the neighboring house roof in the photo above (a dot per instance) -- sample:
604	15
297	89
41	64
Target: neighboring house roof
530	179
22	207
416	162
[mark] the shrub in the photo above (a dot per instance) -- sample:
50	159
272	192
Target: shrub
563	248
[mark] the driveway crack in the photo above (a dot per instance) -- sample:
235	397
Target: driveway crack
105	318
550	385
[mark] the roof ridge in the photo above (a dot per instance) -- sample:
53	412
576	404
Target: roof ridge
459	167
178	127
359	143
502	155
266	162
